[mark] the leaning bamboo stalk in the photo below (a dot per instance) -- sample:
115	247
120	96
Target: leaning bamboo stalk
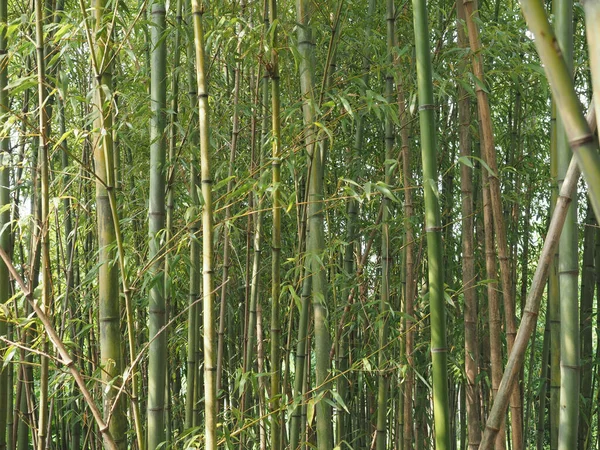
532	305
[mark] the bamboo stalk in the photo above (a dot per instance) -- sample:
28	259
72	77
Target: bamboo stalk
208	295
5	234
439	350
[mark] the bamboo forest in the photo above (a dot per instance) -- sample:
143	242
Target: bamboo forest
299	224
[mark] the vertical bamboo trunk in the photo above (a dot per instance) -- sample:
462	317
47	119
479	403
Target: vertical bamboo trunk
568	263
156	212
208	296
386	257
191	416
275	403
489	155
468	257
108	284
316	235
43	162
493	303
587	297
226	281
541	419
441	410
170	203
345	382
554	301
5	400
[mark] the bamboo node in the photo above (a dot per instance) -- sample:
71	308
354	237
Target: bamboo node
439	350
581	141
426	107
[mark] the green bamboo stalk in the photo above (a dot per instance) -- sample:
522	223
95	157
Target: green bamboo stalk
568	262
45	207
275	403
441	410
170	201
156	212
5	288
316	233
553	299
345	382
208	295
227	220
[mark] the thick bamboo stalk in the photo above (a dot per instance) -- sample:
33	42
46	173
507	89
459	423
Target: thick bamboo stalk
532	305
208	295
568	261
316	232
439	350
156	212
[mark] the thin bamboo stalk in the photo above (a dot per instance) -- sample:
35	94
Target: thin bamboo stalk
208	295
468	257
5	235
43	161
275	402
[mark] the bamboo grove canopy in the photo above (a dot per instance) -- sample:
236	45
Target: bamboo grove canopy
299	224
